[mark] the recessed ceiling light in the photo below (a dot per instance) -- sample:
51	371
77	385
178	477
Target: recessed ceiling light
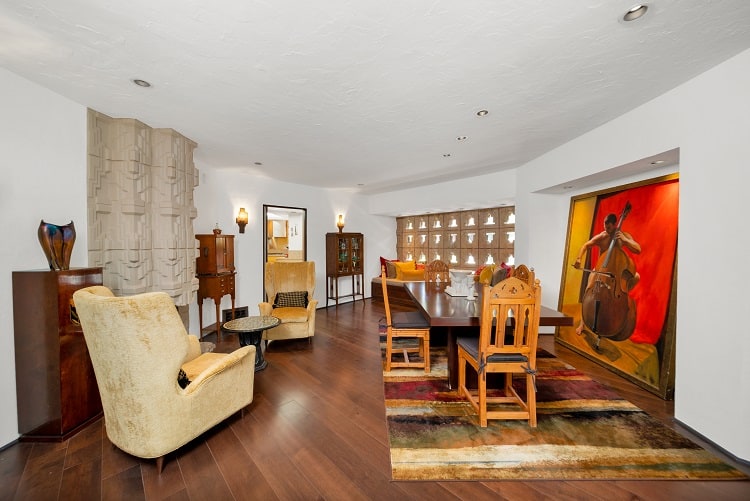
461	138
657	162
258	163
568	187
141	83
635	12
446	155
482	113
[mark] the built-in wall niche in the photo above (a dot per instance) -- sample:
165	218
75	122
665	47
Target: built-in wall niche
463	239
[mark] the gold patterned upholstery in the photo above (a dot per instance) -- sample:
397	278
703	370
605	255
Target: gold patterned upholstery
138	344
296	322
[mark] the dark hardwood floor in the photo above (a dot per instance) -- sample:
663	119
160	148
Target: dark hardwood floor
315	430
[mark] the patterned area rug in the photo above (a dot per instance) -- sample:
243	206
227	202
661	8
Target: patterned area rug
584	431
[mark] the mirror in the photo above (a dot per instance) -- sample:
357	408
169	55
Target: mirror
284	233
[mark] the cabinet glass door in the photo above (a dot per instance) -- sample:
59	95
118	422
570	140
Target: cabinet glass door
343	262
356	244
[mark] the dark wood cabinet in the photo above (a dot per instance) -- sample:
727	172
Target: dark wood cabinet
344	258
214	268
56	387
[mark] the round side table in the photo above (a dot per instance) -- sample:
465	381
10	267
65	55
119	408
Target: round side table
250	330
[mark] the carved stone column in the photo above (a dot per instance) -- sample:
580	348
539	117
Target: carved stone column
141	207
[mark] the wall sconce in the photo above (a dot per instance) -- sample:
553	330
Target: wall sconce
242	219
340	223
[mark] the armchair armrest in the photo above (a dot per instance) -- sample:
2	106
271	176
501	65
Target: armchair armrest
219	365
265	309
194	347
311	305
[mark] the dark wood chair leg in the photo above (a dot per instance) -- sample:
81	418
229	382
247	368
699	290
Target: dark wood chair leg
159	464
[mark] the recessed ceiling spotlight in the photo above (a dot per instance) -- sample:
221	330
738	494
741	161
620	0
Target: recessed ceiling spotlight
141	83
258	163
657	162
446	155
635	12
482	113
461	138
568	187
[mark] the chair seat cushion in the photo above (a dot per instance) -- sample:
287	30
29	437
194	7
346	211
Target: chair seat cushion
291	315
409	320
471	345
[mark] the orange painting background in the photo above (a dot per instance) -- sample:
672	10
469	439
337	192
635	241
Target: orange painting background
653	223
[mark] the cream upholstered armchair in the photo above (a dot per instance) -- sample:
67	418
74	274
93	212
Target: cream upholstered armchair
138	344
290	287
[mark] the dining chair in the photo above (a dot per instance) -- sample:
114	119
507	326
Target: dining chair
405	324
523	272
437	272
508	351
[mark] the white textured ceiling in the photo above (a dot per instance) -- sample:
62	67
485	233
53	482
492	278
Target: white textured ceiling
367	94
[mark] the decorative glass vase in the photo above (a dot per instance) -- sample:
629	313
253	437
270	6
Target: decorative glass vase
57	243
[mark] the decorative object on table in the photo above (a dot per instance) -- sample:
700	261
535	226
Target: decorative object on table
217	230
643	352
461	282
242	219
57	243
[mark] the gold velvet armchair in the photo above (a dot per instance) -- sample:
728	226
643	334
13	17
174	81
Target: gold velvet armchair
138	344
288	286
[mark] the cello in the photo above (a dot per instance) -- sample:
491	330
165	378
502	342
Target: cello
607	309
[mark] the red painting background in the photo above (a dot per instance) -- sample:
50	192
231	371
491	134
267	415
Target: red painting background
652	223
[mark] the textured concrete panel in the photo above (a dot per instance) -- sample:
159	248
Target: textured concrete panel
141	207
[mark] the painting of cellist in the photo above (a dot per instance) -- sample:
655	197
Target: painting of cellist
621	289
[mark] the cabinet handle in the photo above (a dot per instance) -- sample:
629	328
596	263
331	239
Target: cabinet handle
205	252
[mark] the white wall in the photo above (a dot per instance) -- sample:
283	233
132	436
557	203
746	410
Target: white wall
489	190
222	192
708	118
43	145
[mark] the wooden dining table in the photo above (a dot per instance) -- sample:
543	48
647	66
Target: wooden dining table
458	314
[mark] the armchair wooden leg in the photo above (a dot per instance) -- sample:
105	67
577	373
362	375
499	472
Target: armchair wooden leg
159	464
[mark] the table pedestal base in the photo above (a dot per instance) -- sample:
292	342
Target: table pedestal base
253	338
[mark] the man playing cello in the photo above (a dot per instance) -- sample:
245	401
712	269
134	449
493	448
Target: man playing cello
603	241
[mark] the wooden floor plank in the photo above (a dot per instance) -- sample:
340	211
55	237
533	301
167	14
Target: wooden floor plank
82	477
243	477
200	471
43	473
126	485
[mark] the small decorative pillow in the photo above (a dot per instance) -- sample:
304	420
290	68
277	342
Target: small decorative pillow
182	379
404	266
293	299
390	269
499	275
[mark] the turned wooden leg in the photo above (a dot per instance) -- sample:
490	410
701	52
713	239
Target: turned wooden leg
159	464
